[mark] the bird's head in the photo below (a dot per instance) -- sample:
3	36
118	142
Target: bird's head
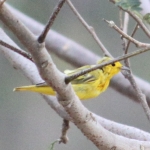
111	69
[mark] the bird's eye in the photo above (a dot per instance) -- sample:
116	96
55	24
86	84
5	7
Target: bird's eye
113	64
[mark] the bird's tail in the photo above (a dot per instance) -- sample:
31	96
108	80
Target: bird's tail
43	89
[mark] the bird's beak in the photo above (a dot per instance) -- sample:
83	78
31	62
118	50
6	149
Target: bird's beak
125	68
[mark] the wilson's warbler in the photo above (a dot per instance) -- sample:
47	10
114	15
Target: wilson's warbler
86	86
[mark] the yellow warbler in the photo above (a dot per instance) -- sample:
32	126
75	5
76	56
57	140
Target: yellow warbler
87	86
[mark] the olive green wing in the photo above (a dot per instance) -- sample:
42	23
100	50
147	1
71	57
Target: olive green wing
86	78
42	84
104	59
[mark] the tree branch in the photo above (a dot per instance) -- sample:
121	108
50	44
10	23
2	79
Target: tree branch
66	96
42	37
137	43
29	69
19	51
99	66
66	49
140	96
136	18
133	33
89	28
32	74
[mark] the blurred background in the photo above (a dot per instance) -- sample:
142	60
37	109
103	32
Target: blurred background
26	121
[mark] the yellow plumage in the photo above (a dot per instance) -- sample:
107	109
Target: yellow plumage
86	86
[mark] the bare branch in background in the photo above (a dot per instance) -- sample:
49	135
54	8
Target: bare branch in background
120	19
126	23
140	96
89	28
137	43
133	33
137	19
125	29
140	23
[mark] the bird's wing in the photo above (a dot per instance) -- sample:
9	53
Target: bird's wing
43	84
86	78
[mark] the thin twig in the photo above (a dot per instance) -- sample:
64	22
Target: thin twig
19	51
120	19
99	66
135	29
89	28
137	43
140	96
137	19
65	127
42	37
125	29
126	22
141	24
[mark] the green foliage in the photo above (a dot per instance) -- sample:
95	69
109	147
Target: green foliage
53	144
146	18
133	5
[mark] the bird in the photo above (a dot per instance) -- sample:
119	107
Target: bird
87	86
